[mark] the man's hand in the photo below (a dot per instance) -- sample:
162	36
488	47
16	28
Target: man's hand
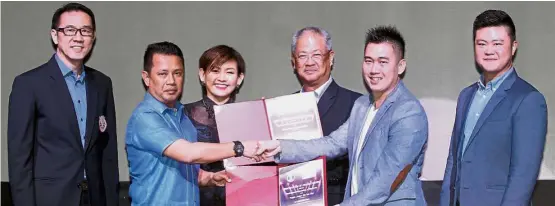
250	150
269	148
207	179
220	178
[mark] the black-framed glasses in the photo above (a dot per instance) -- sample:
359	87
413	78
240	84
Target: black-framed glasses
70	31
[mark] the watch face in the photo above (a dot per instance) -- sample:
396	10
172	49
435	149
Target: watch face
239	149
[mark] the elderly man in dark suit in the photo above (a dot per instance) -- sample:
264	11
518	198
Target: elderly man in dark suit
62	144
312	58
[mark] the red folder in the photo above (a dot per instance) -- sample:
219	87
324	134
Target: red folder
292	116
242	121
267	119
252	186
268	185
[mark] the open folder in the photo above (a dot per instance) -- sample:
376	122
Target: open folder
292	116
252	186
301	184
286	117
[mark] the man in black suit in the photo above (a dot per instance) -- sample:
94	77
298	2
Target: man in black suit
312	58
62	144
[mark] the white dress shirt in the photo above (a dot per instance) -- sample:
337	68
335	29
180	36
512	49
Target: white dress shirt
318	92
355	177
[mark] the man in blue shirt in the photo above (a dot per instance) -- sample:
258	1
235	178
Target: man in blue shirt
500	127
162	148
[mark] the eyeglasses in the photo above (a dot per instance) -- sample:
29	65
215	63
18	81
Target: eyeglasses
317	57
70	31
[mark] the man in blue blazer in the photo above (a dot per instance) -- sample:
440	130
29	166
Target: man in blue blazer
384	137
62	144
500	126
312	58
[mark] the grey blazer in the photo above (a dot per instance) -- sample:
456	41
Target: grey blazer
396	138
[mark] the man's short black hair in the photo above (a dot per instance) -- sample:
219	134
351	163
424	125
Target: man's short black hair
71	7
493	18
165	48
390	34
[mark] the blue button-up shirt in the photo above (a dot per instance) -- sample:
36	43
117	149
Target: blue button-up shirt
78	91
479	102
155	178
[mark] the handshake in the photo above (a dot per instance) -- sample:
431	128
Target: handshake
254	150
260	150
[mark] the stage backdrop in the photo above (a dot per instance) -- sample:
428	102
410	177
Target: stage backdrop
438	36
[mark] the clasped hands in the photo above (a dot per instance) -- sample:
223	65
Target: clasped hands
260	150
254	150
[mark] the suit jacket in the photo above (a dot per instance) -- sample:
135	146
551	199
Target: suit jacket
396	138
334	108
45	155
503	156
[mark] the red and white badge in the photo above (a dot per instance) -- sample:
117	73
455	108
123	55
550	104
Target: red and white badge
102	123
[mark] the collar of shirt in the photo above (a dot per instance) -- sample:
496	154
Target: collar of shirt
211	103
320	90
494	83
161	107
66	71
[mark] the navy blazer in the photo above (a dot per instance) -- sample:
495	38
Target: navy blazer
502	160
46	159
335	106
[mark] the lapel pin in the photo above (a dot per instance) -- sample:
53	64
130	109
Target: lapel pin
102	123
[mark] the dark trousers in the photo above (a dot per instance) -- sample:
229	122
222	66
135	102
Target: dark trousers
212	196
85	196
335	194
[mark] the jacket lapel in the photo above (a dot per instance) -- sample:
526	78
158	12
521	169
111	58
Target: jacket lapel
460	122
66	103
92	102
375	121
381	112
327	99
362	115
497	97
